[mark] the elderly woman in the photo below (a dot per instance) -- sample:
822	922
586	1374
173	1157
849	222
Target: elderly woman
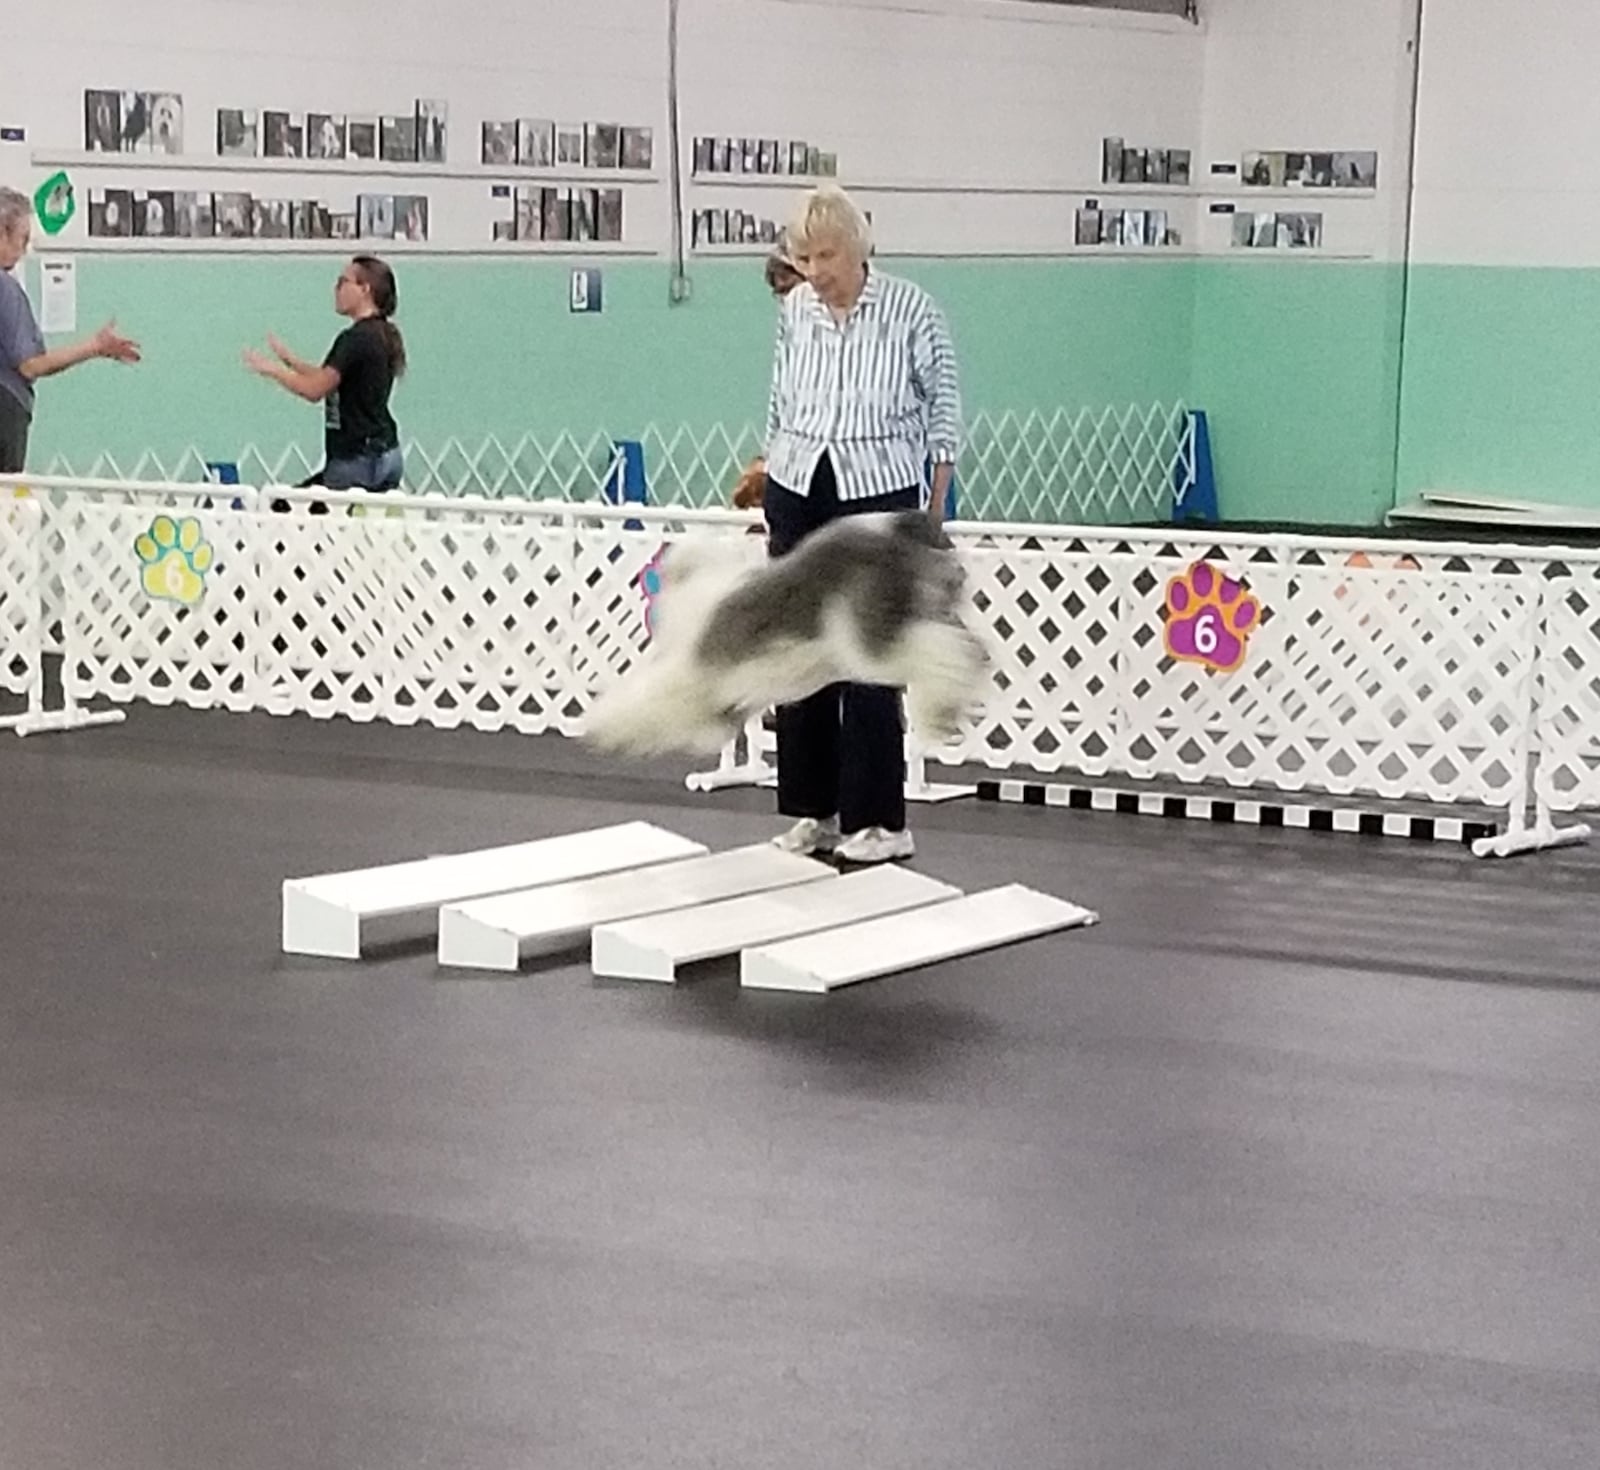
24	358
864	394
782	278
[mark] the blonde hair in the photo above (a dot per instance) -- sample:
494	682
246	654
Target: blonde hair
827	212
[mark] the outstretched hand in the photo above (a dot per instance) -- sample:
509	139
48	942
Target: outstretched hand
259	362
279	350
108	342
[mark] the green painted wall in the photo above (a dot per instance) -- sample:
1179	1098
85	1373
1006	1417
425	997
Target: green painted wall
495	349
1296	362
1501	392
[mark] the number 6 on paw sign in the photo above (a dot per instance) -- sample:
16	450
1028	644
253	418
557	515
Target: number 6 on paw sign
1210	618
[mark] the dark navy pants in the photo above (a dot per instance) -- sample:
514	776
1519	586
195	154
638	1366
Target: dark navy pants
842	750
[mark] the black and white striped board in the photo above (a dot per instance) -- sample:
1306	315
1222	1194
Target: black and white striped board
1233	811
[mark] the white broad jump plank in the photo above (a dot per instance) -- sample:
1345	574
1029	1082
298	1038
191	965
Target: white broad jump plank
324	915
498	933
818	963
652	948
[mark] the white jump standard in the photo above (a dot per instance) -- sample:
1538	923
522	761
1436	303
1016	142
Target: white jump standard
325	915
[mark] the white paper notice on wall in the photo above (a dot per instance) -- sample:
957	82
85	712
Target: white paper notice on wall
58	295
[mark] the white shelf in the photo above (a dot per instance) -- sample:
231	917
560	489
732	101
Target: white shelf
1255	191
172	245
1207	190
333	167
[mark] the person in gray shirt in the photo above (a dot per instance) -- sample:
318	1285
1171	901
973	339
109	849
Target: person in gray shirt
24	358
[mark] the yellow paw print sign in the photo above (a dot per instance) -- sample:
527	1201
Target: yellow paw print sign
174	560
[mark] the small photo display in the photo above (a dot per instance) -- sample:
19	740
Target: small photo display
1155	166
1308	170
603	148
102	122
505	231
1111	152
638	148
1355	170
234	214
813	160
608	214
1263	170
154	214
703	155
749	156
166	123
1178	166
346	227
193	219
320	218
717	227
300	219
1133	222
397	140
1155	227
1087	228
569	146
411	218
536	143
433	143
136	136
1299	231
767	159
556	206
361	140
724	156
375	216
273	219
325	136
280	136
799	157
828	165
111	213
528	221
580	207
499	144
1133	165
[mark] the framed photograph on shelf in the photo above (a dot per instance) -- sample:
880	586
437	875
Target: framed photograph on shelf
1299	231
602	145
1155	227
325	136
192	214
237	133
233	212
608	214
110	213
1355	170
1178	166
375	216
569	146
1111	153
397	140
361	139
799	157
300	219
528	221
135	122
556	206
1155	166
346	227
536	142
271	219
1263	170
749	155
433	142
102	122
155	214
638	149
499	146
166	123
411	217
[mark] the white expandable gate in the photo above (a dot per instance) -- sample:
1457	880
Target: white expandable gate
1421	671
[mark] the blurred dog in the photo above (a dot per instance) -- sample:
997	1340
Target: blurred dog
868	599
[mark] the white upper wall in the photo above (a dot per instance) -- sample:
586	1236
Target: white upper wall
1307	75
1507	173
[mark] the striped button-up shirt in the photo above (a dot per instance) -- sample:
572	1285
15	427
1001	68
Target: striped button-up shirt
877	392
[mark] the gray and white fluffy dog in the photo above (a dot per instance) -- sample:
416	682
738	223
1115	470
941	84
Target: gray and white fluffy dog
867	599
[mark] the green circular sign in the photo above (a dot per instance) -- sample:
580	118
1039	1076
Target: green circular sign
55	203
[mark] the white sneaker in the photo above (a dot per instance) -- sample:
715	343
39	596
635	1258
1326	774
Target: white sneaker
876	845
809	835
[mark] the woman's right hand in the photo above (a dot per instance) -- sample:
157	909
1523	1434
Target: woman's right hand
108	342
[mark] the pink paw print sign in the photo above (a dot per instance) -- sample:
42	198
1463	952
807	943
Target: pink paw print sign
1210	618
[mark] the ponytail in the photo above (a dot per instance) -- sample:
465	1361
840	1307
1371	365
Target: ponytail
379	278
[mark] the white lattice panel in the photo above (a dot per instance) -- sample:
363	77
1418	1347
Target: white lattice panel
1569	712
21	610
1080	466
124	643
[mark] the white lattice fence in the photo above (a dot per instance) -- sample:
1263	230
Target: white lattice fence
21	608
1084	466
1568	739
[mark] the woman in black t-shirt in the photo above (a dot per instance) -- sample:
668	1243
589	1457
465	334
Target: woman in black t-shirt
362	444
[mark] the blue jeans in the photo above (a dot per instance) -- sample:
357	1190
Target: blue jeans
381	471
